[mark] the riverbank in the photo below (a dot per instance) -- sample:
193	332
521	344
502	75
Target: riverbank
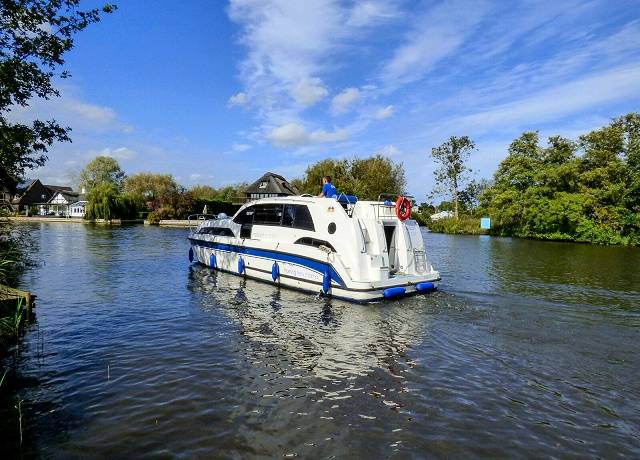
79	220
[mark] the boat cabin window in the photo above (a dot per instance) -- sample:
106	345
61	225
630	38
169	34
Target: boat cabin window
245	216
268	214
289	215
217	231
315	243
297	216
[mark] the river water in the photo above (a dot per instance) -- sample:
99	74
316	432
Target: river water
529	349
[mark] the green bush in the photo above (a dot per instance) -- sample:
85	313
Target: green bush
464	225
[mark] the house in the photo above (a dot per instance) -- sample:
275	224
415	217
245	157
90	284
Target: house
36	194
442	215
66	204
270	185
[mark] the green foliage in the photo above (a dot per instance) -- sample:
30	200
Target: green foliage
102	170
106	202
363	177
587	190
34	37
228	193
152	191
464	225
453	171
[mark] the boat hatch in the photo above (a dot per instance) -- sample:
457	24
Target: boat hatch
390	234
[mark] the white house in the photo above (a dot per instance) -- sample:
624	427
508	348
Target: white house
442	215
65	204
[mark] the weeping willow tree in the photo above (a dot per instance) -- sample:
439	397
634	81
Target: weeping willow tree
106	202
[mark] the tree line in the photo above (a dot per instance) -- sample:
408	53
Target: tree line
585	190
111	194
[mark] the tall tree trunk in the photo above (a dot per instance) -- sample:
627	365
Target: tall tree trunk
455	198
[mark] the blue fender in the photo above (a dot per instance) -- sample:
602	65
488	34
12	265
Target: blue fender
241	265
212	261
425	287
190	254
326	281
394	292
275	271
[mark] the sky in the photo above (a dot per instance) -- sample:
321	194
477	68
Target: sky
219	92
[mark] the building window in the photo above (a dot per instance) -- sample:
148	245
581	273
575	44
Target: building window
263	184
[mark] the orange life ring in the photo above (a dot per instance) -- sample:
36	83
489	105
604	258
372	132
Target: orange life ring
403	208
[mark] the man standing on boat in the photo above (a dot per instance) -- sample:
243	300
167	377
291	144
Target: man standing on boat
328	190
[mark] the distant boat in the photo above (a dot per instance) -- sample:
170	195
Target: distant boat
356	250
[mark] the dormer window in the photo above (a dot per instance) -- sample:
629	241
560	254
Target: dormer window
263	184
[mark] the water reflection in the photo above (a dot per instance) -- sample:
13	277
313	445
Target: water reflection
328	338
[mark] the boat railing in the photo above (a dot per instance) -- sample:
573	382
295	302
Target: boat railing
347	202
385	207
194	220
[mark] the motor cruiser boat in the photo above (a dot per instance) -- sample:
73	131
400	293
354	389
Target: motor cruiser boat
360	251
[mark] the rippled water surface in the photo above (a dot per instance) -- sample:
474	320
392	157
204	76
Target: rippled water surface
529	349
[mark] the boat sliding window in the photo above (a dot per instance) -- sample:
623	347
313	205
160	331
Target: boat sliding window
268	214
297	216
315	243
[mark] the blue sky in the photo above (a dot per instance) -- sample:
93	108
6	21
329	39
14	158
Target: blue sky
218	92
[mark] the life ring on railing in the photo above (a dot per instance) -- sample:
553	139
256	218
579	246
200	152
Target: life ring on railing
403	208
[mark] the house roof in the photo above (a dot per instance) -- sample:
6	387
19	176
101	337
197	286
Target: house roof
70	196
272	183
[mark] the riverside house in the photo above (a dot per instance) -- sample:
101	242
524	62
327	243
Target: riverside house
65	204
37	195
270	185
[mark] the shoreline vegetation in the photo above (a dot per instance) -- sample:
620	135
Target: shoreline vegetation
585	190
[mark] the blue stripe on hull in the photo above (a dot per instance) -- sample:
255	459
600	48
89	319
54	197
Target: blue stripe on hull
265	253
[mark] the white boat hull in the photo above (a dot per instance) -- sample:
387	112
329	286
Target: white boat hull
303	273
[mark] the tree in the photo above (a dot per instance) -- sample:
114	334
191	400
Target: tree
376	175
34	36
106	202
102	170
587	190
152	191
311	183
453	170
229	193
364	177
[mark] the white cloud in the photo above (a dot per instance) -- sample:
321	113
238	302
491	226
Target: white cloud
437	35
612	85
90	112
321	136
289	134
237	100
371	12
120	153
294	134
384	112
240	147
71	111
308	91
194	177
389	151
342	102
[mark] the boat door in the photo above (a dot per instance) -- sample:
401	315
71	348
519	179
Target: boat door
245	219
